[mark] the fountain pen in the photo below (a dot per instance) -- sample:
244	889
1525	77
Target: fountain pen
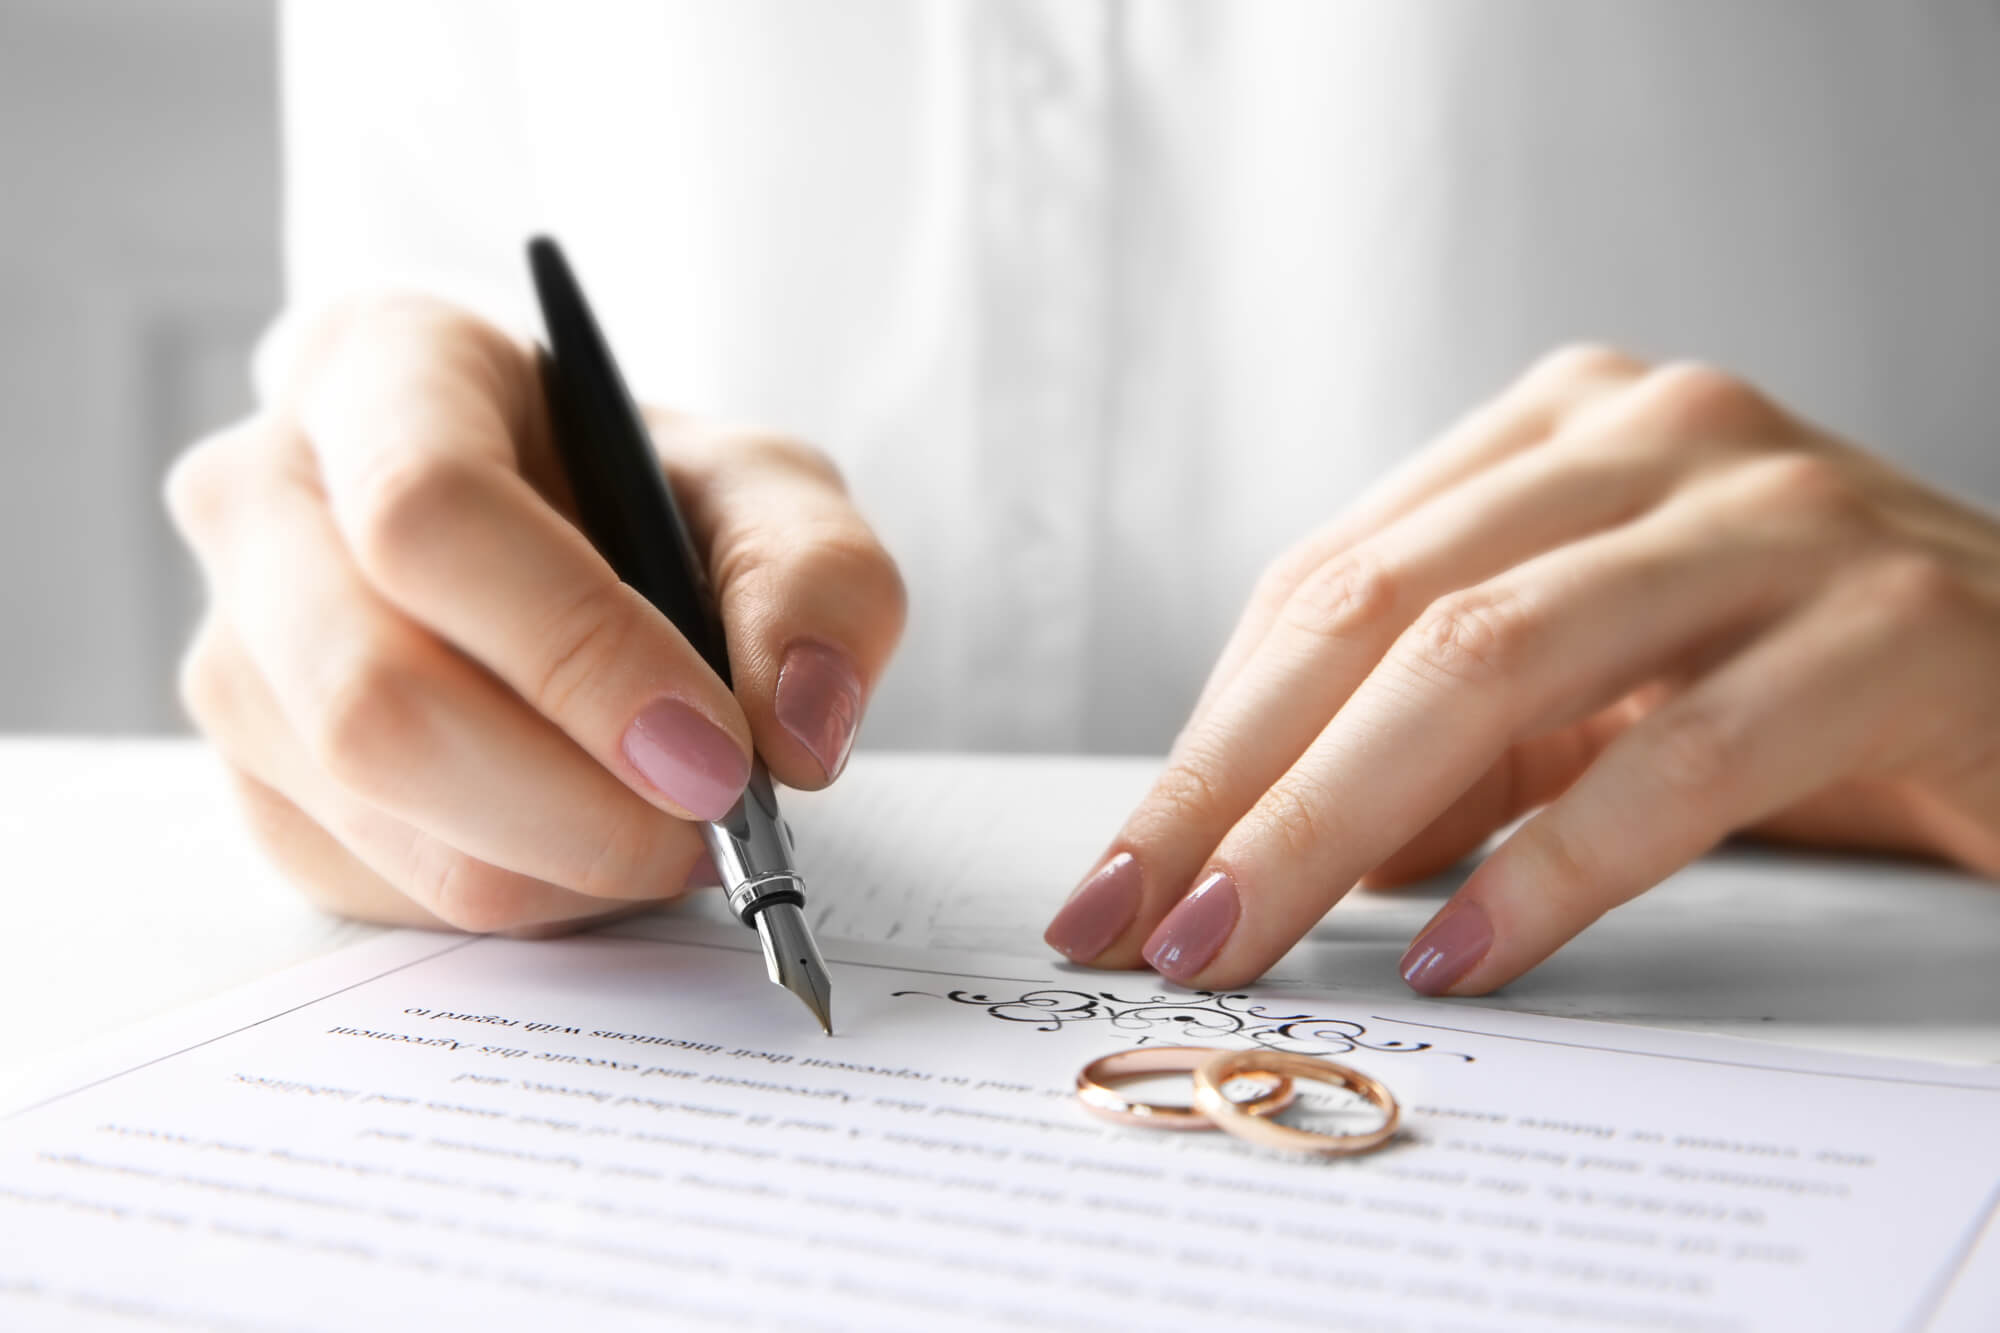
629	513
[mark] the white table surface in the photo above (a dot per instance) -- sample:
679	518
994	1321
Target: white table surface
132	888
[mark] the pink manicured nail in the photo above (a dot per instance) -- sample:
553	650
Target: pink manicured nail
1195	931
1098	912
819	702
688	759
1449	948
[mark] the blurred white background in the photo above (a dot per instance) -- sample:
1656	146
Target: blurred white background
138	260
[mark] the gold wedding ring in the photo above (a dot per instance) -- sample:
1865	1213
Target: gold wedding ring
1214	1073
1094	1088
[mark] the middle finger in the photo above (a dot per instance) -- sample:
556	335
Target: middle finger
1548	642
1327	637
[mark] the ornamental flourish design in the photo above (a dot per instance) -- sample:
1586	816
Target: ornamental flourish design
1204	1017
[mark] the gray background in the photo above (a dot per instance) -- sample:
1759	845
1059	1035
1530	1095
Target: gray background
138	260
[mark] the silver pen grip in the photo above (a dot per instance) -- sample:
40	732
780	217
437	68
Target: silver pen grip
752	848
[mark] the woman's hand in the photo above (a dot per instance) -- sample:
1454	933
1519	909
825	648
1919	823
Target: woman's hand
1650	600
440	703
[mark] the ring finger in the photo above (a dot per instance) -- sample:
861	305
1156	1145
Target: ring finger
1817	695
347	856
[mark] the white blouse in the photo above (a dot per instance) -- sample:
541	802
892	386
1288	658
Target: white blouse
1102	303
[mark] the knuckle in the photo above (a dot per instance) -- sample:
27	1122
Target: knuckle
590	633
1283	574
1570	886
852	559
202	681
1689	398
201	482
1275	584
403	503
390	309
1696	748
1191	792
1295	818
1278	579
1347	595
729	452
1796	477
192	490
371	329
1811	485
367	718
352	343
1579	363
827	554
1913	590
745	558
381	305
1472	637
787	454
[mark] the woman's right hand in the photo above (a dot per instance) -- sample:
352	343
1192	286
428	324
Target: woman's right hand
438	701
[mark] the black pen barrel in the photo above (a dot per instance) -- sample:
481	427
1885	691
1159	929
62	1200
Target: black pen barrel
620	487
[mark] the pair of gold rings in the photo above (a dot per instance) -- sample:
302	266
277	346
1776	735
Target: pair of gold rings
1272	1072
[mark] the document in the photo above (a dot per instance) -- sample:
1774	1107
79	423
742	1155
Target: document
635	1129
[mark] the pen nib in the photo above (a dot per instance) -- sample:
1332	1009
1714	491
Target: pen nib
793	959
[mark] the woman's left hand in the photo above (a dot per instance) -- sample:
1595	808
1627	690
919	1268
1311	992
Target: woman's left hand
1648	599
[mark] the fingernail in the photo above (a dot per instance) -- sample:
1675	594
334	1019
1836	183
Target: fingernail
1195	931
1098	912
1451	947
688	759
819	702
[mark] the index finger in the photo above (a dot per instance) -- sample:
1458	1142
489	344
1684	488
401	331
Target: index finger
1551	640
418	419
